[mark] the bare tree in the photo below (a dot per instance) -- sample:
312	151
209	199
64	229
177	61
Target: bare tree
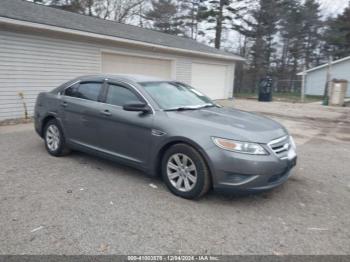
117	10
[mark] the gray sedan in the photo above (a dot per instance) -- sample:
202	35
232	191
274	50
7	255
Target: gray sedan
167	128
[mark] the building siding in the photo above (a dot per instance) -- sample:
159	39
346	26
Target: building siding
32	64
230	80
315	80
183	70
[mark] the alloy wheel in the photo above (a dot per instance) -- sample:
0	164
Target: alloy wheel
52	137
182	172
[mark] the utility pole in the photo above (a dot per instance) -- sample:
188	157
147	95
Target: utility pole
328	81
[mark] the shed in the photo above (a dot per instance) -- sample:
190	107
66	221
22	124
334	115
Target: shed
315	78
41	47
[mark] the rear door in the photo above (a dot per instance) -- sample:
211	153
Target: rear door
125	134
81	111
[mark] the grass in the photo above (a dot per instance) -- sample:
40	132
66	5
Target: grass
284	97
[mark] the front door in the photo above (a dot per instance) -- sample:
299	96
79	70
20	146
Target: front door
125	134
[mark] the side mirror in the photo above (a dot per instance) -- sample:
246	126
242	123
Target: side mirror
137	107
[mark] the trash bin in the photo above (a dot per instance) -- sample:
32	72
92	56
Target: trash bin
338	92
265	89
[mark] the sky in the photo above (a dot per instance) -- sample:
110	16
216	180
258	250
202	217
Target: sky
333	7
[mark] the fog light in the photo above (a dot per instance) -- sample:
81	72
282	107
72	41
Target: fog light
238	179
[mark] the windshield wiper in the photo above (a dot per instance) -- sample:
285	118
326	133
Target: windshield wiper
183	108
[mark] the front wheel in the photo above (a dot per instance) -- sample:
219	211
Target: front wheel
54	139
185	172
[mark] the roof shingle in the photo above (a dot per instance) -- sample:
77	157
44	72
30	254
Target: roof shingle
35	13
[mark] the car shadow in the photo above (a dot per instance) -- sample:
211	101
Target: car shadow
121	169
101	163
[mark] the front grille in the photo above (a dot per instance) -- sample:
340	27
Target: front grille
280	146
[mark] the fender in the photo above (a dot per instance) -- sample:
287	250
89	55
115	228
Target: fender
49	115
167	143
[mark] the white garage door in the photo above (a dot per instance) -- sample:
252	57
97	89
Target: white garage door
124	64
210	79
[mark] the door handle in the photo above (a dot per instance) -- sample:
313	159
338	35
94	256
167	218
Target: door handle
106	112
64	104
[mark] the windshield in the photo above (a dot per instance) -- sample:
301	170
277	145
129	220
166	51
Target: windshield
173	95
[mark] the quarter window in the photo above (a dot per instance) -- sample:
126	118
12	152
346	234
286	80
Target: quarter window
85	90
119	95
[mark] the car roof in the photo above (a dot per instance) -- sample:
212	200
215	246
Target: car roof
128	77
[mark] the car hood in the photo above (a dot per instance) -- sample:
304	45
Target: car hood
231	123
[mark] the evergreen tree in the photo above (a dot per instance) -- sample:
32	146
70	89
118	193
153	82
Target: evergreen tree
264	30
220	14
191	15
165	17
337	35
291	31
312	32
261	29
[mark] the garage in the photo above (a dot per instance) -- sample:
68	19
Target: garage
39	53
210	79
126	64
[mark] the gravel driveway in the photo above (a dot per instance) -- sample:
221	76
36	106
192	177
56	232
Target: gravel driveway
83	205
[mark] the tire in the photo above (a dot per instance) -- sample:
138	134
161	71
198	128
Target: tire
177	167
54	139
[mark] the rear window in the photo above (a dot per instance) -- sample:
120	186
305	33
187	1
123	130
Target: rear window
85	90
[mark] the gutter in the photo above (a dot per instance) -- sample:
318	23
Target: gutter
114	38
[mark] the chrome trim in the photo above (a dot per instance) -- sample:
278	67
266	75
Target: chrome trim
61	93
246	181
283	149
157	132
133	87
72	97
278	140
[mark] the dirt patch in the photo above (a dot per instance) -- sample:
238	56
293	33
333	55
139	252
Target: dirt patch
9	122
308	118
304	121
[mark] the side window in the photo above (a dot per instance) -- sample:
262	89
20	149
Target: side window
72	91
119	95
85	90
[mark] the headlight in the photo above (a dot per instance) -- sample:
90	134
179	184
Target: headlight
240	147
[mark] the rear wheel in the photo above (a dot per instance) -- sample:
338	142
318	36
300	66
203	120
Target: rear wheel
185	172
54	139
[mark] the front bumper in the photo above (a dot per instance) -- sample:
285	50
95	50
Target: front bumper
251	173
